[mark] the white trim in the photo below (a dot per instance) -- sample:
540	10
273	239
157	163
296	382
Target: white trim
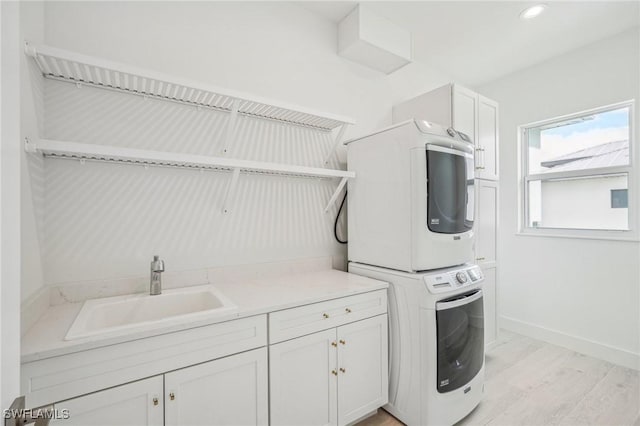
10	161
630	234
582	234
595	110
588	347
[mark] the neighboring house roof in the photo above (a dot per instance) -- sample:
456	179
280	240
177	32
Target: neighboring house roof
605	155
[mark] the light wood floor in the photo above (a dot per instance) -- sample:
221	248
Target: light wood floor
529	382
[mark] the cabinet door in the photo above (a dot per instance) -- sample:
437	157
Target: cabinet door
227	391
486	223
487	143
490	314
303	380
363	368
465	111
137	403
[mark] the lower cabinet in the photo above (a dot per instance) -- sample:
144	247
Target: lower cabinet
226	391
330	377
303	380
324	363
137	403
363	367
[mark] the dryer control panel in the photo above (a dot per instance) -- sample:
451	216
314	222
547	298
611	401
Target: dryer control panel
452	278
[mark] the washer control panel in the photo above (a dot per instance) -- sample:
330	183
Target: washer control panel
453	278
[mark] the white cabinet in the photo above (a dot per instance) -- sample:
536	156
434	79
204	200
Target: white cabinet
464	110
487	139
323	363
362	368
139	403
490	312
48	380
330	377
303	380
486	227
486	223
227	391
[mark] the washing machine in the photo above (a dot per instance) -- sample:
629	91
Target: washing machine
436	342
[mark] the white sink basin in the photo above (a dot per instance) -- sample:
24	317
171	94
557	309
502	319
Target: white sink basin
141	311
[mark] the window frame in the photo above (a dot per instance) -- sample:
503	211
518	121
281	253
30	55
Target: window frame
630	234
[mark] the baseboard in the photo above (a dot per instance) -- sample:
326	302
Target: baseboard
588	347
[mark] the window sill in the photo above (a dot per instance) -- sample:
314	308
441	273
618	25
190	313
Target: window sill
624	236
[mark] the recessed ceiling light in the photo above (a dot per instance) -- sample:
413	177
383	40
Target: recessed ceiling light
533	11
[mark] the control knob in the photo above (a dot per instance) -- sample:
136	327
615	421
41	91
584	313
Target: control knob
451	132
461	277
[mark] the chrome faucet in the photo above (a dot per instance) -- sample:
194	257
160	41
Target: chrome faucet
157	267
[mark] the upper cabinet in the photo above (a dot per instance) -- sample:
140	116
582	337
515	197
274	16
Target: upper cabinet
464	107
464	110
487	139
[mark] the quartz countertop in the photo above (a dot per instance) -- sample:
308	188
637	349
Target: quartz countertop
45	339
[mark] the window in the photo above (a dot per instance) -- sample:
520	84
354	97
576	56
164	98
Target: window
576	171
619	199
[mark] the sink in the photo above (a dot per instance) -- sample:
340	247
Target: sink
116	315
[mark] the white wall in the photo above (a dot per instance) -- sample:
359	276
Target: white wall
104	221
578	292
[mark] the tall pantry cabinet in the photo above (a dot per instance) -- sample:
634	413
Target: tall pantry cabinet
455	106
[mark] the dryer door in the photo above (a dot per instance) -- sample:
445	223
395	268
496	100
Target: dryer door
450	190
460	324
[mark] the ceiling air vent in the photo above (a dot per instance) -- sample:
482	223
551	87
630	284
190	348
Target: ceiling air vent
373	41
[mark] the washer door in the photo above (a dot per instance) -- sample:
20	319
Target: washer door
460	324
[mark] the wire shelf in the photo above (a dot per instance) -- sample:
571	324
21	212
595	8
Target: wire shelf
102	153
72	67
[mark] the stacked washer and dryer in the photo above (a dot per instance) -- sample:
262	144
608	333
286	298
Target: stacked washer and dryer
410	224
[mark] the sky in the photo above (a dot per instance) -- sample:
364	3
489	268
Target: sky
610	119
604	127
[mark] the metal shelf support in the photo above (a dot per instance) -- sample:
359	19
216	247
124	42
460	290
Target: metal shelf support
226	204
334	197
336	142
230	131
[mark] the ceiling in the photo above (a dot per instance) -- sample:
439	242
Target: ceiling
476	42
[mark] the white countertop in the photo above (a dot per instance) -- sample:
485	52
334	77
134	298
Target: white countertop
45	339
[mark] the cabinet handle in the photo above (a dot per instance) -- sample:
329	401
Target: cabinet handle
172	396
334	372
343	370
348	310
342	342
481	164
334	344
155	400
325	316
479	258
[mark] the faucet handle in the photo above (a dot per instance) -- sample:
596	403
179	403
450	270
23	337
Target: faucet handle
157	265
